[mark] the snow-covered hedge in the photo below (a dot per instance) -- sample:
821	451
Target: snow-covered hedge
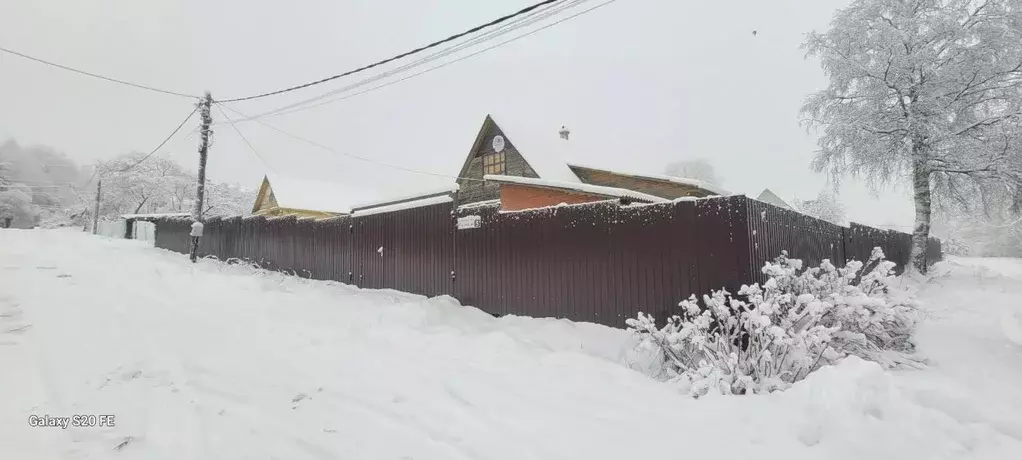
773	335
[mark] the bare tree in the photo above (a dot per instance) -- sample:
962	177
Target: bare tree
926	90
693	169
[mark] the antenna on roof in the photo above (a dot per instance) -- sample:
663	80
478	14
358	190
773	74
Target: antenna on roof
564	132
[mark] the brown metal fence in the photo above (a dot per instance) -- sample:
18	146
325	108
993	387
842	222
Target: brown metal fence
599	262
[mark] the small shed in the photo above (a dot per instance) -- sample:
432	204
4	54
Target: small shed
143	226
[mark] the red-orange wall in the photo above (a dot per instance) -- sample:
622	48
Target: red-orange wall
515	197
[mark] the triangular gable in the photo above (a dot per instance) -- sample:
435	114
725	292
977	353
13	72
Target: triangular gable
543	158
263	195
768	196
478	142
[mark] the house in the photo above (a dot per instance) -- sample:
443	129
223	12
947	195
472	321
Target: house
286	196
283	195
524	168
769	196
515	166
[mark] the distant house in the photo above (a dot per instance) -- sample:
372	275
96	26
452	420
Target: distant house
769	196
523	168
281	195
291	196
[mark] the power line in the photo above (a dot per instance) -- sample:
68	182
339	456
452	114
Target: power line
511	26
242	135
158	147
399	56
332	150
93	75
503	29
284	111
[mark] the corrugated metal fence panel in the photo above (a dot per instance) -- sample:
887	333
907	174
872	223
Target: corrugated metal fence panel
860	241
653	249
172	234
371	241
773	229
338	251
304	251
420	252
721	232
478	279
598	262
208	245
231	237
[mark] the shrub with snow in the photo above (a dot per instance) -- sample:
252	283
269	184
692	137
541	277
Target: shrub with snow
773	335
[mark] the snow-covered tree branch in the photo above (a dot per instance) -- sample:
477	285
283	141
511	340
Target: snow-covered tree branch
825	206
159	185
700	170
925	90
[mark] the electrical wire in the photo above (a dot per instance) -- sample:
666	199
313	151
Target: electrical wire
284	110
398	56
158	147
93	75
519	23
332	150
250	146
402	168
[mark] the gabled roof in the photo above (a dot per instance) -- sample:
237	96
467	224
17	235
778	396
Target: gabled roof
544	151
658	177
333	197
579	187
315	195
769	196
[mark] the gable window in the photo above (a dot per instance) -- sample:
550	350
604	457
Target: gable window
493	163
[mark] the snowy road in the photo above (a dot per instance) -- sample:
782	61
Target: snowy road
212	362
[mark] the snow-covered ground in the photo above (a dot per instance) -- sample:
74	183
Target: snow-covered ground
213	362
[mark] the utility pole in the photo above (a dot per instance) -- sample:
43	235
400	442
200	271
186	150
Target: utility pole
95	213
200	192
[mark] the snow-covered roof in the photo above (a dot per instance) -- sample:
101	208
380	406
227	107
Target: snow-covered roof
542	148
315	195
768	196
677	180
383	199
403	205
577	187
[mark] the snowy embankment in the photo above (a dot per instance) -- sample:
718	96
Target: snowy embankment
217	362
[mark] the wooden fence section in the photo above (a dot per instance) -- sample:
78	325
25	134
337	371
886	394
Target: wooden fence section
598	262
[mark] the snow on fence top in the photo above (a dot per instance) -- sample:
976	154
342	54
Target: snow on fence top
577	187
155	215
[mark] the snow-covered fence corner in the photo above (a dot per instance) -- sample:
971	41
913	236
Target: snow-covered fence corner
772	335
597	262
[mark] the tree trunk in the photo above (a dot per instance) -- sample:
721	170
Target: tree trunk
922	194
139	207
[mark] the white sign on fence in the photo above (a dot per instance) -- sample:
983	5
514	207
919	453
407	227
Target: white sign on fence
469	222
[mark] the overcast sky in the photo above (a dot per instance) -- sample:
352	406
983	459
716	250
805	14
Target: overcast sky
660	81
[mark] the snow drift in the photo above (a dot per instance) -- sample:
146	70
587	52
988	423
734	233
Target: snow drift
222	362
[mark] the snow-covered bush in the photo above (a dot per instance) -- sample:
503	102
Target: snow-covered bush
773	335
